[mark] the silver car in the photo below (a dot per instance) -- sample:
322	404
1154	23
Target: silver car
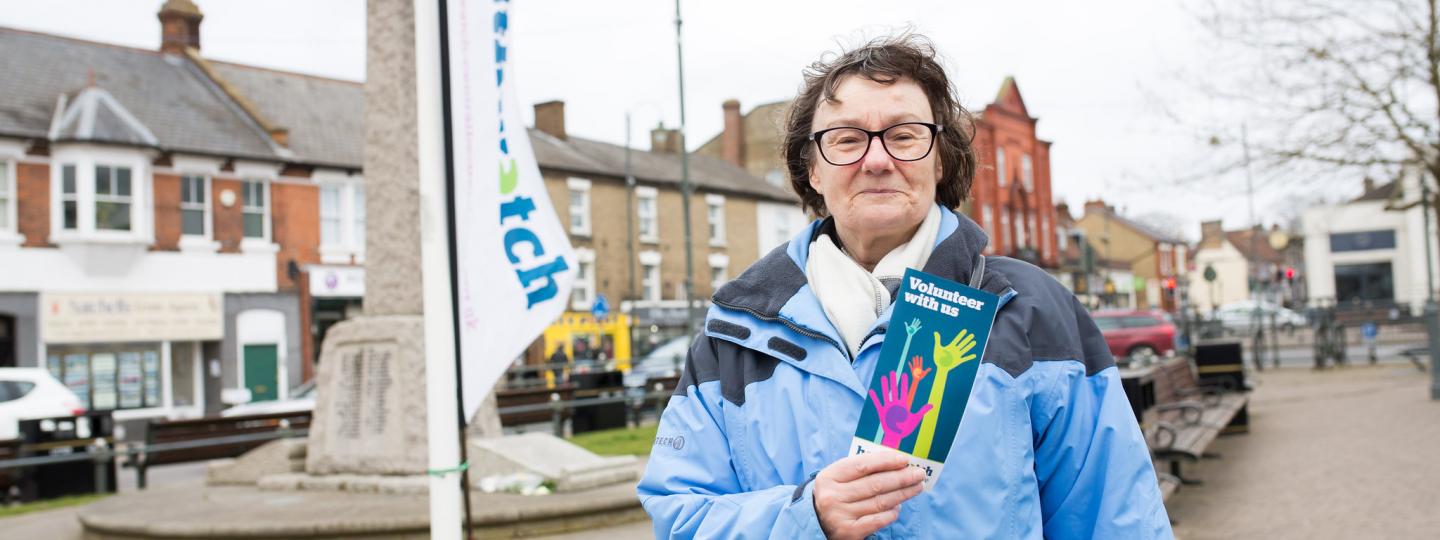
1238	317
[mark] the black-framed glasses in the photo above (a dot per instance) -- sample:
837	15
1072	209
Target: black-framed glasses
908	141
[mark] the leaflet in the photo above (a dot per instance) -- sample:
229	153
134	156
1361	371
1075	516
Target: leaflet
937	336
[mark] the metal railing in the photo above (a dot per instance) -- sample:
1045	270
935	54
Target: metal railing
559	408
102	452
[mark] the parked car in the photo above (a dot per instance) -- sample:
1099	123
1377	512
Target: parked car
302	398
31	393
665	361
1136	333
1238	317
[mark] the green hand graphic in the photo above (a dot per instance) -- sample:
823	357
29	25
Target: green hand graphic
950	356
947	358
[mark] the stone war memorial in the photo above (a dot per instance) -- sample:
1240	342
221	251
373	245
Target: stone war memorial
362	469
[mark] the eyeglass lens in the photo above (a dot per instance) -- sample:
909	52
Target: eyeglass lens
905	142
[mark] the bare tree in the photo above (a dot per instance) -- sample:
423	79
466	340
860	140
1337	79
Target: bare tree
1333	88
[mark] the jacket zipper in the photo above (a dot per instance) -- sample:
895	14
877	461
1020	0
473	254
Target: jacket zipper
798	329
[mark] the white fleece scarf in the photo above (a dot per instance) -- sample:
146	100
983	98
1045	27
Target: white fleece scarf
853	298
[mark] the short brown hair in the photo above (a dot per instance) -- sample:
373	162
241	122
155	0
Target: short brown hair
883	60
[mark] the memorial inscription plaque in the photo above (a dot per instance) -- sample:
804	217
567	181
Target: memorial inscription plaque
369	412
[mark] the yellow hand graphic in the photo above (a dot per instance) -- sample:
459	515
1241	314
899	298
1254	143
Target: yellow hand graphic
947	357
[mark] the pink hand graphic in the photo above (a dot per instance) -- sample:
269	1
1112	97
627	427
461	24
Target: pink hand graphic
895	417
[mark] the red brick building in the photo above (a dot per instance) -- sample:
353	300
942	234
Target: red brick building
1011	197
172	227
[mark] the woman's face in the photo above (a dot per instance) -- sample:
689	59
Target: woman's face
877	195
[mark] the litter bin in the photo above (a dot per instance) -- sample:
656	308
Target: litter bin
598	384
65	436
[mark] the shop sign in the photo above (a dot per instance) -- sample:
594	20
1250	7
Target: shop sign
337	282
130	317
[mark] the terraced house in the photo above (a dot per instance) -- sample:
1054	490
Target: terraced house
172	227
177	233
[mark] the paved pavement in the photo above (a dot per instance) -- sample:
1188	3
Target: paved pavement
1339	453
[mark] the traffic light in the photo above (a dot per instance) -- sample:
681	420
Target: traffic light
1170	284
1289	273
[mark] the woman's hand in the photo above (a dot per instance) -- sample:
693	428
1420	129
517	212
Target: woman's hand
861	494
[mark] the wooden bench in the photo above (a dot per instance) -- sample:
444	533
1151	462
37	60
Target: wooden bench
1169	484
203	439
1188	417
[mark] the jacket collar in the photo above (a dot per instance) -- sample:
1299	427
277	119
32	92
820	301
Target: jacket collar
772	282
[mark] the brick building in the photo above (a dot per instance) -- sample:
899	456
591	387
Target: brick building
175	227
1011	195
640	268
1138	264
140	187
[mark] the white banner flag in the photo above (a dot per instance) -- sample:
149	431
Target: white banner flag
515	264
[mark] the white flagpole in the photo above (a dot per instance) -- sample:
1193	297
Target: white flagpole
440	385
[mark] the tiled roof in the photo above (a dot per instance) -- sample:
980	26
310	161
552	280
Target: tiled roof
1378	193
166	94
326	117
175	98
1253	247
94	115
707	173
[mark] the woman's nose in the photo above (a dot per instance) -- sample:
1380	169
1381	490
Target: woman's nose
876	159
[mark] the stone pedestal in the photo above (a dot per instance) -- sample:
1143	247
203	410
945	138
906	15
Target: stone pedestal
370	404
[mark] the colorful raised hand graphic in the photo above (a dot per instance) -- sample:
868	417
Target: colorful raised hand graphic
947	358
896	420
911	328
917	371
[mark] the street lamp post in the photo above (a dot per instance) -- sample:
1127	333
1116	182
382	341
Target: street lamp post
1254	280
686	190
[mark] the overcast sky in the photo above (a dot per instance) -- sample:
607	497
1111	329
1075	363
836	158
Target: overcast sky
1106	79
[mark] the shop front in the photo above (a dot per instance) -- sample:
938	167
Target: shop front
337	293
580	337
136	355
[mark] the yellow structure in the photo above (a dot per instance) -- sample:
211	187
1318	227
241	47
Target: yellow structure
576	326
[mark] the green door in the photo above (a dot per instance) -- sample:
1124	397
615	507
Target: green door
261	367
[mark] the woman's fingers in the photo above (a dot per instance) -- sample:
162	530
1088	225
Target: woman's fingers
881	483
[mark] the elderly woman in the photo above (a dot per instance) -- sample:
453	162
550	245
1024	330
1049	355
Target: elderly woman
754	440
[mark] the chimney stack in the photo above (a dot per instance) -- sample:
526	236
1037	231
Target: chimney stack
179	26
1210	229
1098	206
664	141
732	139
550	118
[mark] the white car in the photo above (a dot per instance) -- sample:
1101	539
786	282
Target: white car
31	393
1237	317
302	398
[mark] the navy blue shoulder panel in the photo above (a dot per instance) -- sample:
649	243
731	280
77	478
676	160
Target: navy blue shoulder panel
740	367
1043	322
765	286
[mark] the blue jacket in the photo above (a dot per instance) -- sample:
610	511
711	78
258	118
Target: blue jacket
1048	446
